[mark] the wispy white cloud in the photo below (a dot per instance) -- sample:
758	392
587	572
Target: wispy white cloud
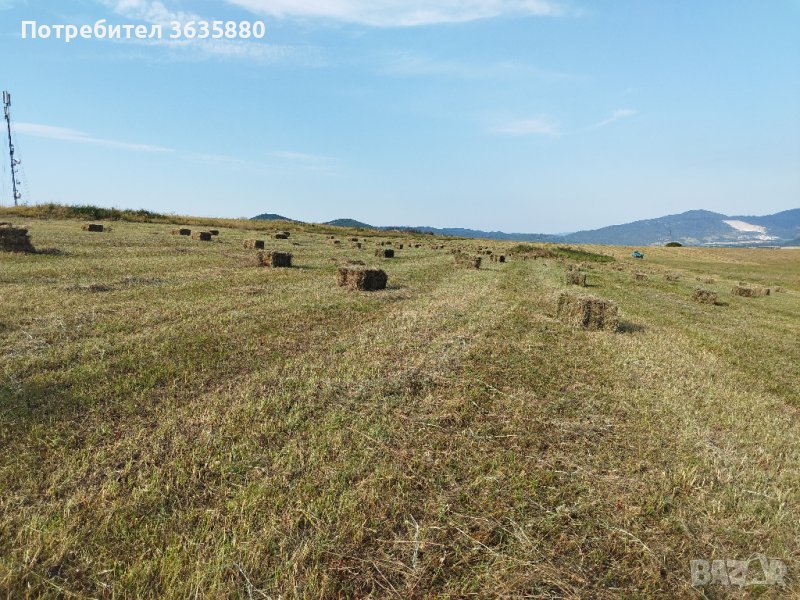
73	135
546	126
536	126
617	115
6	4
301	156
316	163
239	50
151	11
407	64
156	12
405	13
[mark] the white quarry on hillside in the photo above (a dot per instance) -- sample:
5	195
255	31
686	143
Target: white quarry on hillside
750	228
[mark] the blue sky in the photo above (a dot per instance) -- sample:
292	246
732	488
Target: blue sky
517	115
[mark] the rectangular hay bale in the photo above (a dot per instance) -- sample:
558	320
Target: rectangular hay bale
385	253
203	236
280	260
363	279
93	227
182	231
704	296
749	291
588	312
15	239
467	261
254	244
576	278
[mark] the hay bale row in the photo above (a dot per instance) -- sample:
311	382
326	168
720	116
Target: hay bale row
254	244
182	231
15	239
576	278
749	291
361	278
588	312
202	236
93	227
704	296
384	253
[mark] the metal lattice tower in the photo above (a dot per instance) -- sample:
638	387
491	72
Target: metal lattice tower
14	162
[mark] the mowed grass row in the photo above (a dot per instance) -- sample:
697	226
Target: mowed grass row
209	429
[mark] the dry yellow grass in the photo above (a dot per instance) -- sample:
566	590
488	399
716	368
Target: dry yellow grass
177	424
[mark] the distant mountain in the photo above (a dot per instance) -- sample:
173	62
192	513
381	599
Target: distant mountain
489	235
349	223
697	228
692	228
272	217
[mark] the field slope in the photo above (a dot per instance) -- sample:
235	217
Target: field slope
175	423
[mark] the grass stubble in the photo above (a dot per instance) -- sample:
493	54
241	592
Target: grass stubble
175	423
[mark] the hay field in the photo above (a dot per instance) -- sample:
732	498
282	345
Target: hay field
177	423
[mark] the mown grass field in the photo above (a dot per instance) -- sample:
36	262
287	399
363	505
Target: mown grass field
175	423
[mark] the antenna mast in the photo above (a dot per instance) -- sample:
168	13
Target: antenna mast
14	161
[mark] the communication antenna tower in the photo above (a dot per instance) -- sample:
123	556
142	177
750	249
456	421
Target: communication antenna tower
14	162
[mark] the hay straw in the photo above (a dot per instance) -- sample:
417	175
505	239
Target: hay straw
15	239
360	278
576	278
704	296
588	312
